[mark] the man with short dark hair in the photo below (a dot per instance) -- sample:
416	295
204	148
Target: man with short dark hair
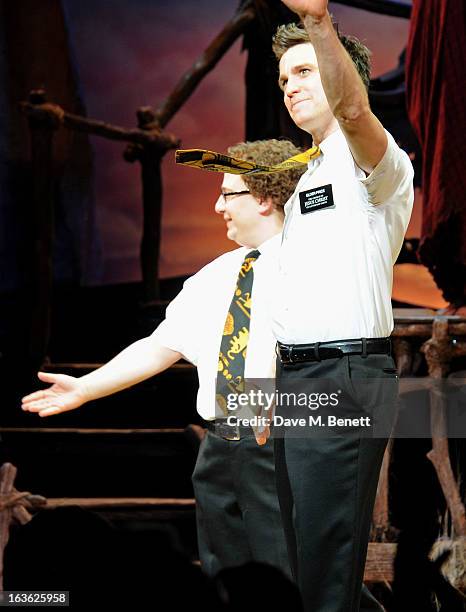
344	227
290	34
236	504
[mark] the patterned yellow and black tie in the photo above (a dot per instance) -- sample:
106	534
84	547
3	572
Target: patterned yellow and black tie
218	162
231	359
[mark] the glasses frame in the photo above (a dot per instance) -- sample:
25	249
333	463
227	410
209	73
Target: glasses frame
227	194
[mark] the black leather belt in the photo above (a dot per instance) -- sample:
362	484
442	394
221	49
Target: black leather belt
221	428
299	353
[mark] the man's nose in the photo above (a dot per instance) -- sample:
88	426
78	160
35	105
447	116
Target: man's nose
220	205
291	87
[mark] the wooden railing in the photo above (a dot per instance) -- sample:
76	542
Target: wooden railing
440	339
147	144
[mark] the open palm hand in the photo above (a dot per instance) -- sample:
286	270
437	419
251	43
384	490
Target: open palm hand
65	394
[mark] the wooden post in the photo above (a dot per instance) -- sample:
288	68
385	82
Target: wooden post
7	477
381	528
150	159
403	356
39	238
150	156
13	506
148	144
439	351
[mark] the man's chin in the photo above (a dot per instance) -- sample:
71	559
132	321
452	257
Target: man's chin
231	234
301	120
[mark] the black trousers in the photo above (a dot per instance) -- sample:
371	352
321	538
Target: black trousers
237	510
327	484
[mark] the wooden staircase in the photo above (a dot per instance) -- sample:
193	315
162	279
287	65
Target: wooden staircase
127	457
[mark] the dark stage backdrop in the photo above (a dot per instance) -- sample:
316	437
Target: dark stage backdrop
132	52
109	58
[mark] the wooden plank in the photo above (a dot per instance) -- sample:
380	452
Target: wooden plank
409	314
379	562
402	315
205	63
118	502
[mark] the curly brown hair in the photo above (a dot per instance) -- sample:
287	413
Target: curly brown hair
292	34
279	186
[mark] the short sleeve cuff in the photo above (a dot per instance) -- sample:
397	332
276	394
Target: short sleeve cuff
166	336
382	180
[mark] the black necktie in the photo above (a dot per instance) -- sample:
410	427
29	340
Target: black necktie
232	356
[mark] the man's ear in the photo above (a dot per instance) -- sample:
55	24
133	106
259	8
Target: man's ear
266	206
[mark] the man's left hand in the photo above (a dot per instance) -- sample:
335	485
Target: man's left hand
308	8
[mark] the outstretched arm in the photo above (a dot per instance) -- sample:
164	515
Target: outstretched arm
139	361
344	89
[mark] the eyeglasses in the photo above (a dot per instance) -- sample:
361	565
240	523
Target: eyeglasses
227	194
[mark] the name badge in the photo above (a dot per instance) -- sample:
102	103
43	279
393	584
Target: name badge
316	199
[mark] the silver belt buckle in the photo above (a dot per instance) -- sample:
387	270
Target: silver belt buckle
227	432
289	352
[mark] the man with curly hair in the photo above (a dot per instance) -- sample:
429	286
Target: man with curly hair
237	509
344	228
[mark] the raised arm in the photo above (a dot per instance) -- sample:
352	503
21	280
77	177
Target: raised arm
139	361
344	89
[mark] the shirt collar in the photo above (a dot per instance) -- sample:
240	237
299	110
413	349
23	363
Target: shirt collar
267	246
331	141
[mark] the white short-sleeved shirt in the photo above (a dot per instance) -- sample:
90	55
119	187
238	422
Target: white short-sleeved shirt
196	317
343	232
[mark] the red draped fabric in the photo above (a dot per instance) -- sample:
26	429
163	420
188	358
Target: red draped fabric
436	85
